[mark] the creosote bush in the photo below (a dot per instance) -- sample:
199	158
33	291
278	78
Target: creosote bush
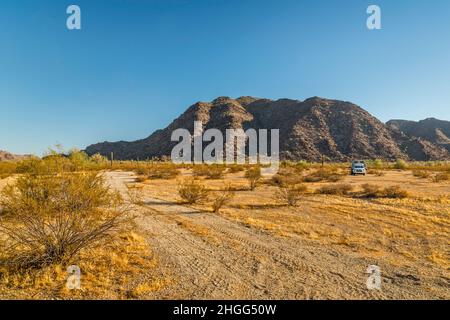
374	191
394	192
236	168
222	198
253	176
371	190
423	174
376	172
440	177
163	171
290	194
287	176
192	191
49	218
212	171
330	174
336	189
400	164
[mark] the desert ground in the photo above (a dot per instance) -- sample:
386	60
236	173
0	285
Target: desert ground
258	248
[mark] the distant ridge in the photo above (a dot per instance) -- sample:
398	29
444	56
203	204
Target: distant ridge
6	156
431	129
338	130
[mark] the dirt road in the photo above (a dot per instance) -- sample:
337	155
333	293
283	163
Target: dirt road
211	257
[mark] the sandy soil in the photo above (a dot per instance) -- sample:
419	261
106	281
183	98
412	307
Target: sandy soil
320	250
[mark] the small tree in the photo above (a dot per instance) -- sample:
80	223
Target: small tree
223	198
192	191
253	175
290	194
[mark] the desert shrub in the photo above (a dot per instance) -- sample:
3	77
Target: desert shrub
7	168
400	164
330	174
126	259
277	180
336	189
421	174
163	171
192	191
236	168
290	194
200	170
213	171
48	165
57	161
371	190
253	176
439	177
49	218
378	173
79	159
222	198
378	163
287	176
142	171
302	164
312	178
374	191
98	159
394	192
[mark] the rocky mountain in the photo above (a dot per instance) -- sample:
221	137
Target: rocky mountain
6	156
431	129
338	130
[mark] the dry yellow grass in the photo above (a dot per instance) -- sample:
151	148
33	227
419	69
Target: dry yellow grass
409	232
401	231
52	221
196	229
120	270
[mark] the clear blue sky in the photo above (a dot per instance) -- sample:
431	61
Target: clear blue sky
137	64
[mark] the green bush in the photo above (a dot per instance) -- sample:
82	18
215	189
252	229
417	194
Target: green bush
400	164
